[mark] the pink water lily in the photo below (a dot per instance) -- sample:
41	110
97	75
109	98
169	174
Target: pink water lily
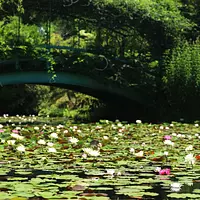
15	131
1	130
164	171
167	137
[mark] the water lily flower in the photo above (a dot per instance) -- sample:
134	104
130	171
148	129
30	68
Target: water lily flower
73	140
11	142
196	125
3	141
1	130
105	137
138	121
1	126
50	144
110	171
132	150
65	131
169	142
91	152
41	142
164	171
15	131
53	135
16	136
183	136
167	137
157	169
190	159
21	148
84	156
176	187
166	153
120	124
139	154
189	148
52	150
36	128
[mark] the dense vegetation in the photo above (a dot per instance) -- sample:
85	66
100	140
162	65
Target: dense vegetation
149	44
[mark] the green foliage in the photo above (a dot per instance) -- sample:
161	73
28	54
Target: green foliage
56	102
183	66
20	40
182	78
165	11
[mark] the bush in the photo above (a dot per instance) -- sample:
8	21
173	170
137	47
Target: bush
182	79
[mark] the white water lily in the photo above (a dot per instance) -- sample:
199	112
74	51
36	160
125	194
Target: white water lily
65	131
120	124
132	150
60	126
36	128
50	144
73	140
179	135
53	135
139	154
91	152
169	142
176	187
84	156
41	142
110	171
157	169
105	137
189	148
190	159
11	142
166	153
3	141
21	148
138	121
16	136
52	150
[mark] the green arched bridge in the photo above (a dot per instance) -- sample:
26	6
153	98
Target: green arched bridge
75	82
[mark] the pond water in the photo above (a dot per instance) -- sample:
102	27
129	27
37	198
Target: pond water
42	159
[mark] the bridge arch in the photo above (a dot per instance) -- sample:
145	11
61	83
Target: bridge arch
75	82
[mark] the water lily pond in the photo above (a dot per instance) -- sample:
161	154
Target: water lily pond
98	161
